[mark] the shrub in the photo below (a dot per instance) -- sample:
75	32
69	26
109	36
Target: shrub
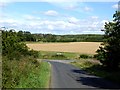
85	56
15	70
60	56
33	53
13	49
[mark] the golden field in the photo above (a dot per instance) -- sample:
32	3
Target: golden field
77	47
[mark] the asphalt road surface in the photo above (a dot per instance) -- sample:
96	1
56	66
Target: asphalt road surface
65	75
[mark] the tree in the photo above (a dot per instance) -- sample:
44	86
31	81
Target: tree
21	36
11	47
49	38
109	52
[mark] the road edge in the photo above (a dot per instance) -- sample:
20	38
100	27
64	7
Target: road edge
49	81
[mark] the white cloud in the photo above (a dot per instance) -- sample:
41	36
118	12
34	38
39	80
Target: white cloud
73	20
88	8
94	24
30	17
104	21
94	17
50	27
71	6
115	6
65	1
9	20
71	25
51	13
3	4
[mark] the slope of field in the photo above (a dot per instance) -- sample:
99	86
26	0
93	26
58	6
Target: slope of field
78	47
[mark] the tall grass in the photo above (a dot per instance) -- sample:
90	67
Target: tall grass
20	68
25	73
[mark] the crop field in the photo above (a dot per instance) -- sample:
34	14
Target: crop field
76	47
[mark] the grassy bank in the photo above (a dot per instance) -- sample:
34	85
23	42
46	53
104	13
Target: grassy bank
95	68
20	67
62	55
25	73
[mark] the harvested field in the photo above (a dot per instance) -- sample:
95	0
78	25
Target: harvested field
77	47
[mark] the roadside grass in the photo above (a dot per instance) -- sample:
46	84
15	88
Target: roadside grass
25	73
95	68
38	78
62	55
31	42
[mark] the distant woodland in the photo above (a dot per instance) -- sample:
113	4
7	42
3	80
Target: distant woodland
27	36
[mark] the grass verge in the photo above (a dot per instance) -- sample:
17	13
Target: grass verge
38	78
95	68
61	55
25	73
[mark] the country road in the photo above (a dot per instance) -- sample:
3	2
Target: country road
64	75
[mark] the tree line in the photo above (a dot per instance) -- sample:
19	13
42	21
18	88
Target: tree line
27	36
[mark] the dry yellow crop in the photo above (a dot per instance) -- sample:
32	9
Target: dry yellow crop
78	47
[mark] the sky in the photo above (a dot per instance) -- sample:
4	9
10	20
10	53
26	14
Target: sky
51	17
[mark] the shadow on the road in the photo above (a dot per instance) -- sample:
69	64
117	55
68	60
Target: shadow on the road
94	81
80	71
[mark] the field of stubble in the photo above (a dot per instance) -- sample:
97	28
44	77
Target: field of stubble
77	47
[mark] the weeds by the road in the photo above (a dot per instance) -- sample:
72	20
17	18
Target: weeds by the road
20	67
38	78
95	68
25	73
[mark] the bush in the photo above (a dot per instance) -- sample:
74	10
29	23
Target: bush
19	63
13	49
14	70
58	55
33	53
85	56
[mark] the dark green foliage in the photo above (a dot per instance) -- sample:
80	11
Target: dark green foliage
109	52
59	56
10	45
17	59
27	36
21	36
14	70
85	56
33	53
13	48
71	38
49	38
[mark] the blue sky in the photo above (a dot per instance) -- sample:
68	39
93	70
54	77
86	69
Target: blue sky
57	17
